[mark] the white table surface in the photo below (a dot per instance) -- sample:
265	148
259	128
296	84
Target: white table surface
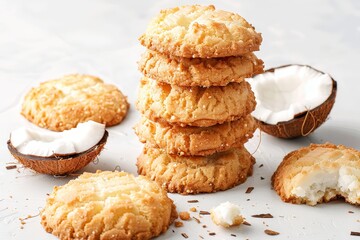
41	40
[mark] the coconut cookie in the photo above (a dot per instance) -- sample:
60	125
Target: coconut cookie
198	71
196	140
108	205
63	103
194	106
319	173
192	175
200	32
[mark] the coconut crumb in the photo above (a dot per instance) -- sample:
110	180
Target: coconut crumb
227	214
193	209
178	224
184	216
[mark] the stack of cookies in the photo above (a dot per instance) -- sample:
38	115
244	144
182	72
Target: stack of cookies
194	100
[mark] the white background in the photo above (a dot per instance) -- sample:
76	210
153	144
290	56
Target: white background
42	40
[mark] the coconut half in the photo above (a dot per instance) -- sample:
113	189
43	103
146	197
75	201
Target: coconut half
292	100
58	153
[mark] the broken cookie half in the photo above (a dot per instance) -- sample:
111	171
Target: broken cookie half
319	173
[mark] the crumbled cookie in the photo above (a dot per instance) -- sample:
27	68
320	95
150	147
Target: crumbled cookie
199	71
319	173
194	106
108	205
196	140
197	31
191	175
63	103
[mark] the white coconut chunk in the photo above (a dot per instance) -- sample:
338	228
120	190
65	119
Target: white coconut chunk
45	143
227	214
316	185
328	183
288	91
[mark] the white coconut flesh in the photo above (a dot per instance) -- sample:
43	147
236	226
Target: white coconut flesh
45	143
226	213
289	91
344	181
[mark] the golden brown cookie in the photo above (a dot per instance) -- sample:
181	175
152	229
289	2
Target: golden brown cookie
200	31
319	173
199	71
108	205
63	103
192	175
194	106
196	140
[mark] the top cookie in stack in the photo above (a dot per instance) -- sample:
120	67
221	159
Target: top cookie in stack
200	32
195	103
200	46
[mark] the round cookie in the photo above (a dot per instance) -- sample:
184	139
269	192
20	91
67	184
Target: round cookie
63	103
108	205
319	173
192	175
197	31
199	141
199	71
194	106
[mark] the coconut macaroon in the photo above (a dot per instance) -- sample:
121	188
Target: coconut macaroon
61	104
196	174
196	141
292	100
319	173
197	31
108	205
58	153
203	72
227	214
194	106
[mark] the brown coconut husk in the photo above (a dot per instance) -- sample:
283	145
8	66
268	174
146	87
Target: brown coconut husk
303	123
59	164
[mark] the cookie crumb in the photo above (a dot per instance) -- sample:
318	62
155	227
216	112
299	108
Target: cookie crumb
178	224
184	216
212	234
193	201
263	215
271	232
249	189
352	233
193	209
204	226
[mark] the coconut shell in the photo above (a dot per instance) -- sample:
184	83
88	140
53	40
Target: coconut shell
59	164
303	123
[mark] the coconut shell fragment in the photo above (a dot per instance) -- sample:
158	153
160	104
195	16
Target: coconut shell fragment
59	164
303	124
